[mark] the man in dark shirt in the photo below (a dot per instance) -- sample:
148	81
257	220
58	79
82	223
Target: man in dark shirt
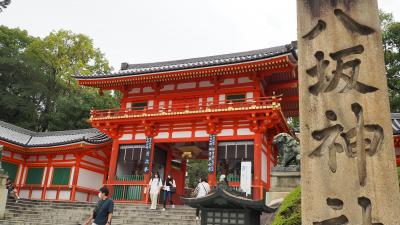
102	214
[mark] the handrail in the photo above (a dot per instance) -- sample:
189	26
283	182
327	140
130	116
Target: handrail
190	106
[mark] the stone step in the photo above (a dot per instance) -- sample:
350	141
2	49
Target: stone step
34	212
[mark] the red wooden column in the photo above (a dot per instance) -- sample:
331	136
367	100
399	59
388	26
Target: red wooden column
78	159
46	178
269	154
257	184
183	171
113	161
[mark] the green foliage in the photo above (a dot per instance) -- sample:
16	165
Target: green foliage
398	174
37	89
391	46
289	212
196	169
294	123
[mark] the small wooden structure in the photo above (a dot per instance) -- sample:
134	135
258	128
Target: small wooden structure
223	207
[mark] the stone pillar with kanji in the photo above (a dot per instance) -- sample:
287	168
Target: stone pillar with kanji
348	167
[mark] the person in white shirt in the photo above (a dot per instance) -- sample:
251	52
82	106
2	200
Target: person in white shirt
155	187
169	190
202	189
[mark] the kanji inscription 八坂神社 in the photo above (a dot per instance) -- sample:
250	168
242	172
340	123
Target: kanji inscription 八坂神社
348	168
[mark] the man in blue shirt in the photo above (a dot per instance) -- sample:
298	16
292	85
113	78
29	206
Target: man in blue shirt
102	214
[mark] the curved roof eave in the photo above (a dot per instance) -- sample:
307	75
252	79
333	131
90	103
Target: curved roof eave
196	63
28	139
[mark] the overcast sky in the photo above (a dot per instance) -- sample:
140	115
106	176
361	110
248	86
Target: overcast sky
157	30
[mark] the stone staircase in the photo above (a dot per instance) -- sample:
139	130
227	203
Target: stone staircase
35	212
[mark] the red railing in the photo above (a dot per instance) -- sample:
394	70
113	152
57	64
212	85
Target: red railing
238	104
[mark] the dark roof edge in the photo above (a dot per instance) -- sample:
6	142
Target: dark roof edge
97	139
196	63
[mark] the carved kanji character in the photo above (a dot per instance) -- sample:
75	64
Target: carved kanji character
328	82
366	206
335	204
367	138
329	137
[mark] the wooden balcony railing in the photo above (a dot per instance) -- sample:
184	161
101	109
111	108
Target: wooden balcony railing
188	108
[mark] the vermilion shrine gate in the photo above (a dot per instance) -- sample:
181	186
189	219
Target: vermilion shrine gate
175	107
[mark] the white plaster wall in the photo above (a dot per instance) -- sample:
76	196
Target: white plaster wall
210	100
64	195
201	133
126	137
169	104
181	134
102	153
24	194
162	135
161	105
31	158
150	104
249	96
221	98
226	132
58	157
140	136
80	196
244	131
186	85
168	87
51	194
42	158
69	157
93	160
6	153
242	80
36	194
90	179
147	89
93	166
134	91
18	156
263	167
228	81
205	84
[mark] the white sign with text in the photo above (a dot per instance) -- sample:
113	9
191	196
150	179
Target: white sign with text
245	177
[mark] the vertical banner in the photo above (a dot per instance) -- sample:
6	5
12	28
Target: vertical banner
211	153
148	147
245	177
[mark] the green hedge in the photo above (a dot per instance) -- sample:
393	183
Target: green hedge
398	174
289	212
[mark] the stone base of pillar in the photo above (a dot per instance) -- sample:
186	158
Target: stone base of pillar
3	195
282	183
